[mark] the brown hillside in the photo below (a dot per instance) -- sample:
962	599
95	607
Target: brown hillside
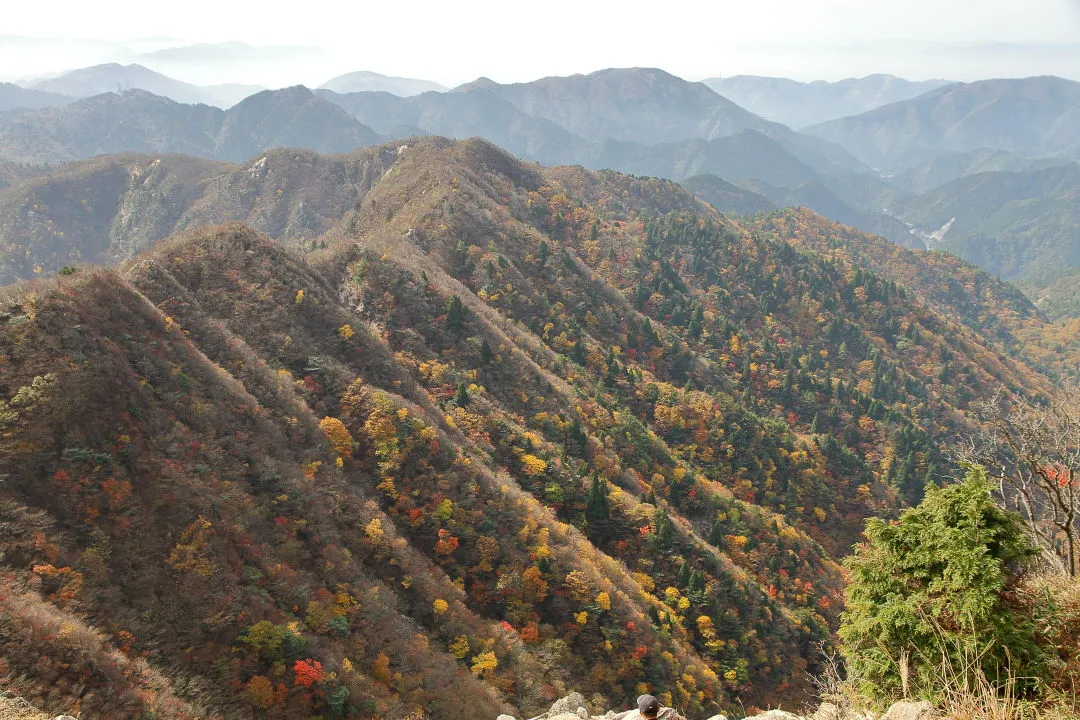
108	209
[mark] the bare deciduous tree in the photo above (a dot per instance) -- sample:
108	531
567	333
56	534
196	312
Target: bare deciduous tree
1033	449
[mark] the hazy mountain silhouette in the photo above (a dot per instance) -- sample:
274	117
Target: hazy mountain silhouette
136	120
800	104
643	105
1030	117
12	97
113	77
946	167
367	81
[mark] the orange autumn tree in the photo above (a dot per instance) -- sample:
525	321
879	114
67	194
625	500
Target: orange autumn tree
338	436
308	672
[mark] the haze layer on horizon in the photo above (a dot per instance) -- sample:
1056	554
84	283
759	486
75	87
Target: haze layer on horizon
207	41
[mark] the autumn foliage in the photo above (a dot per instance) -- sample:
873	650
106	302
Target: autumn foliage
434	468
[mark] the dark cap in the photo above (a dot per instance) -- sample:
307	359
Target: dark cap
648	706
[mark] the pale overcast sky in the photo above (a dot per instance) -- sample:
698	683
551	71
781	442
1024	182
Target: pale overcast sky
453	42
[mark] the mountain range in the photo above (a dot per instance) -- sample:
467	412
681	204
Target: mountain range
698	132
114	77
135	120
1031	117
648	122
482	432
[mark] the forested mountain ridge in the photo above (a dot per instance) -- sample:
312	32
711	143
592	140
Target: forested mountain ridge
1020	226
512	430
957	289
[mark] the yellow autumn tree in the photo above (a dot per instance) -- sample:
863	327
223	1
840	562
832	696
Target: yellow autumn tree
532	465
338	435
483	663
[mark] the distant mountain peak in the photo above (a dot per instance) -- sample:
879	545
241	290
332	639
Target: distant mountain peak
480	83
111	77
369	81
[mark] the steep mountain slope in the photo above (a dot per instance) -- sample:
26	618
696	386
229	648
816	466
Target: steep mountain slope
515	429
819	197
138	121
11	172
1059	299
292	117
798	104
1031	117
1020	226
367	81
955	288
114	77
725	197
763	165
130	121
13	96
108	209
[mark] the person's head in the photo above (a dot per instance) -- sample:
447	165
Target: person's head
648	707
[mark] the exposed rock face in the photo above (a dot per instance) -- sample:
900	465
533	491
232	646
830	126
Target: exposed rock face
567	706
910	711
15	708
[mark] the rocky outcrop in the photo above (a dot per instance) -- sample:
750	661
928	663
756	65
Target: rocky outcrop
910	711
15	708
573	707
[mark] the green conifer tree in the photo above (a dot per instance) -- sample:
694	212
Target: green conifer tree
936	584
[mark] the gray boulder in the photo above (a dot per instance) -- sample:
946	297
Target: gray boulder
831	711
828	711
906	710
567	705
506	717
777	715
